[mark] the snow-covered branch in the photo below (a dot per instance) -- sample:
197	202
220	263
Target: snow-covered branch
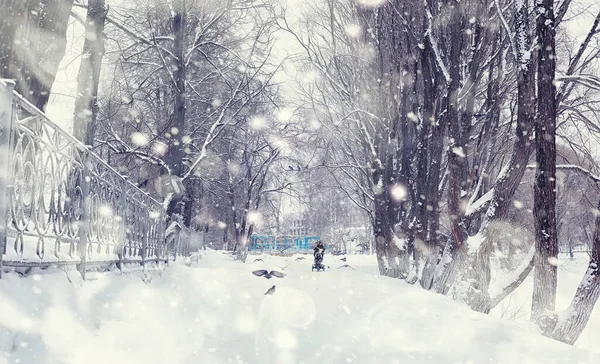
435	47
505	287
573	167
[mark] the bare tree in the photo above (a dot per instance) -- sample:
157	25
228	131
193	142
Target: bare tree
88	80
181	82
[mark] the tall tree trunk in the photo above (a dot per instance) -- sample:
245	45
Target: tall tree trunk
392	259
35	36
454	251
13	16
176	147
243	233
86	103
429	164
569	326
544	209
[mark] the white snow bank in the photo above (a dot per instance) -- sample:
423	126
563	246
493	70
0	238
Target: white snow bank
517	306
216	312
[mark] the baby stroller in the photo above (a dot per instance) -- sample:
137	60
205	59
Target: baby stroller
319	251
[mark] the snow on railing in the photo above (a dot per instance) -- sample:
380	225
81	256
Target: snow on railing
63	203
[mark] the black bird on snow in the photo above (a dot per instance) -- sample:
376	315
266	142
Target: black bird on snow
343	259
298	169
290	168
267	274
257	260
299	258
345	266
270	291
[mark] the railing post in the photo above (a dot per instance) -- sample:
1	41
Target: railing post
84	222
6	98
123	233
161	236
145	240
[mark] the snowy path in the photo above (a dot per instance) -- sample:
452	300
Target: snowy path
216	312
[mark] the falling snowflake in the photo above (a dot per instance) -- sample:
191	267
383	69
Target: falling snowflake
518	204
284	115
233	168
371	3
255	217
554	261
412	117
105	210
281	144
311	76
257	123
159	148
286	339
139	139
353	30
459	152
398	192
315	124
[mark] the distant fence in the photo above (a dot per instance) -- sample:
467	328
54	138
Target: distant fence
272	243
181	241
63	204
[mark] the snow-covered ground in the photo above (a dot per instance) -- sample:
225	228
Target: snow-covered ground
216	312
517	307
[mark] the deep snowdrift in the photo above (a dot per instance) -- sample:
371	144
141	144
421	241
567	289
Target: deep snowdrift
216	312
517	307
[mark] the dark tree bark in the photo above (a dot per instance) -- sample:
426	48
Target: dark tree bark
430	161
544	209
33	44
454	252
571	324
396	141
86	103
177	132
13	17
388	253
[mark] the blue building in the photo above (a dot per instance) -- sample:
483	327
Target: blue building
268	243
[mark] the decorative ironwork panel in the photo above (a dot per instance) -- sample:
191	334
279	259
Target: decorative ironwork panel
52	179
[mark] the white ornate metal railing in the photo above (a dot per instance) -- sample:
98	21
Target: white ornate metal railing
182	241
63	203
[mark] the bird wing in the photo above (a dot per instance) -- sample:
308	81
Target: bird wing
260	272
277	274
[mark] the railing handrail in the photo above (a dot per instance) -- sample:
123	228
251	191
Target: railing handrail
63	203
28	106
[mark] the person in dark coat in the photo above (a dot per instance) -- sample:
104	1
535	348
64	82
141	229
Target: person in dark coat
319	252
